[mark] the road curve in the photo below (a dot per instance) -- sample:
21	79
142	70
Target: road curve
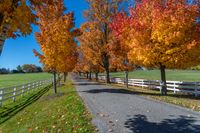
122	111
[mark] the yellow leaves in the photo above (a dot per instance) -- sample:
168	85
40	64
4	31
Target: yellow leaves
18	16
56	38
162	34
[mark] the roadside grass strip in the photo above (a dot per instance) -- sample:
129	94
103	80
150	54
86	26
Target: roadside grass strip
45	111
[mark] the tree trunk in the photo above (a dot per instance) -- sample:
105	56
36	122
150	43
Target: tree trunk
79	73
90	76
59	79
87	74
96	76
106	64
126	78
3	37
65	76
163	80
107	76
54	82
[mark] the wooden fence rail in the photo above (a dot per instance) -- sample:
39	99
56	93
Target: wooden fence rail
175	86
11	93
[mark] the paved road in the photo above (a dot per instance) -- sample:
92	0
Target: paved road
121	111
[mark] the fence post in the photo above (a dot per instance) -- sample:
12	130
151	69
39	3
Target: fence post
174	88
22	90
29	88
1	97
33	86
14	94
196	90
142	83
38	84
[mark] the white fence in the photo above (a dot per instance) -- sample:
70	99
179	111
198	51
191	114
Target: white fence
175	86
11	93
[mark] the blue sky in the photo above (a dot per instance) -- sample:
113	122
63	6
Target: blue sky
19	51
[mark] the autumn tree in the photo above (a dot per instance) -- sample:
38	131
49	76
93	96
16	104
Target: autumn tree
119	57
161	34
56	37
99	15
16	18
89	48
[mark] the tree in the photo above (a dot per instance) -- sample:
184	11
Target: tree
56	37
4	71
89	50
16	18
161	34
99	15
19	69
28	68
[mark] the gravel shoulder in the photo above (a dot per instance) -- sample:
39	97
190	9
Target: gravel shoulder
122	111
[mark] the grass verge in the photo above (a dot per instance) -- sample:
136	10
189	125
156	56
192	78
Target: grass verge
176	75
7	80
60	113
183	100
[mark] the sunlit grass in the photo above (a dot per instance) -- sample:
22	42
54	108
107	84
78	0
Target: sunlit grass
18	79
60	113
178	75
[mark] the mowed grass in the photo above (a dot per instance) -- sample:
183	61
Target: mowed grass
18	79
60	113
175	75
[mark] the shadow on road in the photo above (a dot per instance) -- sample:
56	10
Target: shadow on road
87	83
125	91
12	109
182	124
121	91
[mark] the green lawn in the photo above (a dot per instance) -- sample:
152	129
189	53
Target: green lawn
61	113
178	75
18	79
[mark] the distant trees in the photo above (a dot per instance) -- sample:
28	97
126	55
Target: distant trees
26	68
30	68
4	71
19	69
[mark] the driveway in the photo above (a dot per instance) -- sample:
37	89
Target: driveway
122	111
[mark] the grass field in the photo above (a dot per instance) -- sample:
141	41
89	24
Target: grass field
18	79
61	113
178	75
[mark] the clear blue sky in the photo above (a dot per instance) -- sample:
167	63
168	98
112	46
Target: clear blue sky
19	51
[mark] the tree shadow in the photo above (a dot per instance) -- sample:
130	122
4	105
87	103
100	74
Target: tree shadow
181	124
109	90
126	91
12	109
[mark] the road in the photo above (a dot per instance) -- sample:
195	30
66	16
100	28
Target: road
122	111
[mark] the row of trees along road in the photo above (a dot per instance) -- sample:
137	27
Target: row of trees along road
99	49
56	36
153	33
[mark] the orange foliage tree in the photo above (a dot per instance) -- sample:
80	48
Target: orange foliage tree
16	18
56	37
89	48
97	31
161	34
